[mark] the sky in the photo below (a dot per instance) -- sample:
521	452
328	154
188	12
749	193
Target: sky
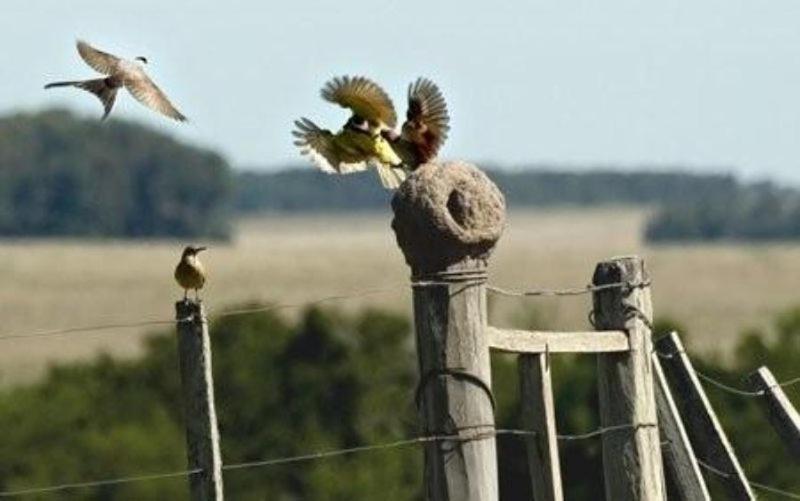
708	85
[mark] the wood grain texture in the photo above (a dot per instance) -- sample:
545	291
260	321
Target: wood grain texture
631	458
202	434
779	410
538	415
450	325
682	472
708	437
522	341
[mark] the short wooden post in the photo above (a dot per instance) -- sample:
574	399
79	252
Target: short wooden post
778	409
631	456
707	434
538	415
447	218
202	435
682	472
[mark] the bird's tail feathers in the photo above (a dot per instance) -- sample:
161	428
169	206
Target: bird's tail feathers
99	87
391	177
72	83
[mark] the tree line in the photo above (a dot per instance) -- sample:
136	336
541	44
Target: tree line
61	174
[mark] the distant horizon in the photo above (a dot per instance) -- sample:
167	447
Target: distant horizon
300	163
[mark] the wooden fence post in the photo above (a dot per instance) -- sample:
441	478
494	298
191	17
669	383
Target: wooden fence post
707	434
202	435
447	218
682	471
778	409
538	415
631	456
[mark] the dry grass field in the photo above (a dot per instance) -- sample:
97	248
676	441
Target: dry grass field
716	290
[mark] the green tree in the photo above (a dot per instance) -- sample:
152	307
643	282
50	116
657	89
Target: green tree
62	175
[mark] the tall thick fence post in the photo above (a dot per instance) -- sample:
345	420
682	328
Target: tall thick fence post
447	219
632	453
202	435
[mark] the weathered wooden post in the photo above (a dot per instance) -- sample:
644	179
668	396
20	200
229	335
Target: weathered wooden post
704	428
631	456
202	435
447	219
539	416
778	409
682	470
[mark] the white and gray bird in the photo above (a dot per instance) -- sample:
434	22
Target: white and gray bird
120	73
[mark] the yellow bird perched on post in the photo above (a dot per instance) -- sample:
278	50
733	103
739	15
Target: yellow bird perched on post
368	138
190	273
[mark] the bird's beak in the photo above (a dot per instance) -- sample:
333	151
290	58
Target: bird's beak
200	249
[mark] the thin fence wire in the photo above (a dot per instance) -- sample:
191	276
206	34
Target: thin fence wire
99	483
478	432
754	485
728	388
574	291
212	315
278	306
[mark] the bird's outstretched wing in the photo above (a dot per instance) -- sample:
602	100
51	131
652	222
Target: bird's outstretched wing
320	146
147	92
427	121
363	96
100	61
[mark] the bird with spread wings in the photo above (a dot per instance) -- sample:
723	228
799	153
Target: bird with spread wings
368	137
120	73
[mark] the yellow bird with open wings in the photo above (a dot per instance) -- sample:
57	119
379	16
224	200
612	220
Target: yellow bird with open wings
368	137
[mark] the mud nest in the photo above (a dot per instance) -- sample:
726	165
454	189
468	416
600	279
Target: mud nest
447	213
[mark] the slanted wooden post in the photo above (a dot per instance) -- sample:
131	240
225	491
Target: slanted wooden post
631	456
538	415
447	220
707	434
202	435
682	471
779	410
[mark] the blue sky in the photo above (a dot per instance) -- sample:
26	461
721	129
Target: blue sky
708	84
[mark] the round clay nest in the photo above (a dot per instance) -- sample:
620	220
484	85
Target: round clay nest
445	213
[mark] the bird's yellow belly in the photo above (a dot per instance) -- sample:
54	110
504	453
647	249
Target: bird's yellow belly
358	146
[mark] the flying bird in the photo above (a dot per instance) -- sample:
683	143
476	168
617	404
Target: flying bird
368	137
190	273
360	143
120	73
426	126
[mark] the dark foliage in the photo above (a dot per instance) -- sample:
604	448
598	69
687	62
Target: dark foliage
63	175
756	212
326	382
306	189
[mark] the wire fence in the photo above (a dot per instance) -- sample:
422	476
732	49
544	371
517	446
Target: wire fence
280	306
320	455
477	432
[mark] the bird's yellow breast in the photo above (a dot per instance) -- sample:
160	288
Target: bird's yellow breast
359	146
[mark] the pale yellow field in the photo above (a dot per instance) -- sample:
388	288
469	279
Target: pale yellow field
716	290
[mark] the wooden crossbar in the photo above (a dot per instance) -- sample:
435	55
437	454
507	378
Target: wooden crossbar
522	341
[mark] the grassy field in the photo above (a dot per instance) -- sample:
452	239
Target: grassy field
715	290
